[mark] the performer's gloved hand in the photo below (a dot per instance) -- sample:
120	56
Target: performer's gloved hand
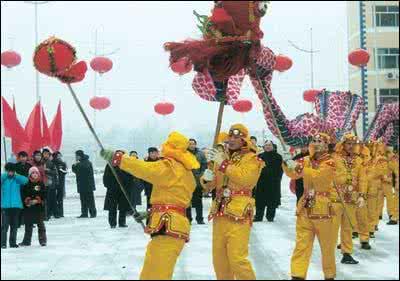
360	202
107	154
140	216
208	175
286	156
291	164
216	156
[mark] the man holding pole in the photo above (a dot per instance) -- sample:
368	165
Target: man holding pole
234	175
349	193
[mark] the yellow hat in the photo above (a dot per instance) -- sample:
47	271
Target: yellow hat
176	148
243	132
320	136
348	138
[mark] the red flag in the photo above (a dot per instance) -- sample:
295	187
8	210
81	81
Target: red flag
56	130
46	137
32	129
13	128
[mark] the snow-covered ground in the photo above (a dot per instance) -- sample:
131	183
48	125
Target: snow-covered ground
89	249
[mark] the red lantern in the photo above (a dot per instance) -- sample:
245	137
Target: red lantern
182	66
358	57
242	106
75	74
164	108
101	64
100	103
311	95
54	57
282	63
10	59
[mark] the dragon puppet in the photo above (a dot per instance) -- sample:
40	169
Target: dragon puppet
385	125
231	49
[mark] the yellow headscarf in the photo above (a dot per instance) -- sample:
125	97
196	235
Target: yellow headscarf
245	135
325	137
349	138
176	148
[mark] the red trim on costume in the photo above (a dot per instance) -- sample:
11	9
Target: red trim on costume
117	158
224	166
167	207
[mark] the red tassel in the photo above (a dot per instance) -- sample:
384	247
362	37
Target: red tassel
219	15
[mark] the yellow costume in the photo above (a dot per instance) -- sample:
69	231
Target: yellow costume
393	165
232	210
314	214
351	182
173	186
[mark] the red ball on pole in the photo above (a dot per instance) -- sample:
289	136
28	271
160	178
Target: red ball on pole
242	106
282	63
182	66
311	95
101	64
164	108
359	57
100	103
10	59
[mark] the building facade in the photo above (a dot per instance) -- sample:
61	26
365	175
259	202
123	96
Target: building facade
374	26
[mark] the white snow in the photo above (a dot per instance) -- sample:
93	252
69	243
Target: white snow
89	249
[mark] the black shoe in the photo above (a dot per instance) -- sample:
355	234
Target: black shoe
257	219
57	217
376	228
365	246
82	217
339	247
355	235
122	225
270	220
23	244
348	259
371	235
92	217
297	278
43	244
14	246
380	217
113	226
4	247
201	222
392	222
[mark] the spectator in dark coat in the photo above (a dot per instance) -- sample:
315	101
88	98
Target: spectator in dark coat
115	198
83	170
60	189
34	195
268	190
137	187
22	168
197	198
51	183
11	204
153	155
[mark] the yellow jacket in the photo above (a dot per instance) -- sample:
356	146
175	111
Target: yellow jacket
318	177
351	178
241	174
375	171
173	184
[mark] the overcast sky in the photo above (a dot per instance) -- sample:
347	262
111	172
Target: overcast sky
141	76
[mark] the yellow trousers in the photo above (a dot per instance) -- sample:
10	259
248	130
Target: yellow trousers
396	205
231	250
341	221
387	193
161	256
306	230
362	223
373	214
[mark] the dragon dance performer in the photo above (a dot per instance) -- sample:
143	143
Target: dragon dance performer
364	214
173	186
314	211
394	166
387	184
234	176
351	183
